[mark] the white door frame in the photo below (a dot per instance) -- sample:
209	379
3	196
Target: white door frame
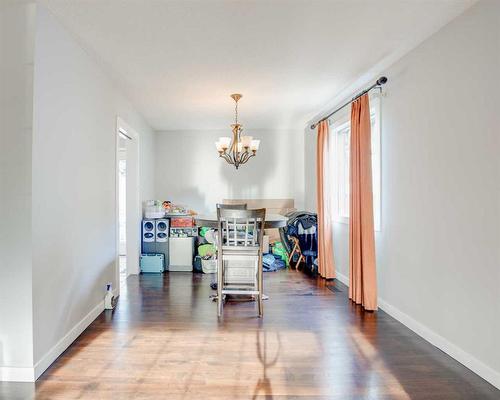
133	206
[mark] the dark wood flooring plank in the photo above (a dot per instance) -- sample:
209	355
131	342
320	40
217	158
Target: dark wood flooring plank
164	341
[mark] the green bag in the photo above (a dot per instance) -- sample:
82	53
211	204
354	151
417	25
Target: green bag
206	250
203	230
280	250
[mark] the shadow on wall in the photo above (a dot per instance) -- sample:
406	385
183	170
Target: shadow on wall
250	180
192	198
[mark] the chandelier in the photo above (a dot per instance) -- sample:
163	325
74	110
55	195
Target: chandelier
239	149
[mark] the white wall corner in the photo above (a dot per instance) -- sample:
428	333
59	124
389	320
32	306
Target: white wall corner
466	359
66	341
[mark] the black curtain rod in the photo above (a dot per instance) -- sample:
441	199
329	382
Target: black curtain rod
380	81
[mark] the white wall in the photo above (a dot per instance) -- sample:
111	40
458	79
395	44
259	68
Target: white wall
190	172
17	22
74	192
438	252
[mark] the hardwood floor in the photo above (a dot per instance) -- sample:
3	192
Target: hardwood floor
164	342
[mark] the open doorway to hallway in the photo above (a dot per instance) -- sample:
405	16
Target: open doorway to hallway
128	207
122	206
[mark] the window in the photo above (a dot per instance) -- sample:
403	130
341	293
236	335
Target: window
340	142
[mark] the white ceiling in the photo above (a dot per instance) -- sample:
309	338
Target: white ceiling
178	61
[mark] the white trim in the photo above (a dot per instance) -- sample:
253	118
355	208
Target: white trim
342	278
464	358
67	340
31	374
133	236
118	157
17	374
468	360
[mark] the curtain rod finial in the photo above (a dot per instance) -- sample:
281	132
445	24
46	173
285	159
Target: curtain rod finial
382	80
313	126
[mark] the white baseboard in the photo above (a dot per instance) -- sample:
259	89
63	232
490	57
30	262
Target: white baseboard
17	374
66	341
31	374
342	278
481	369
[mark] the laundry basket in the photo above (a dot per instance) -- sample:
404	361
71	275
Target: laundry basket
209	266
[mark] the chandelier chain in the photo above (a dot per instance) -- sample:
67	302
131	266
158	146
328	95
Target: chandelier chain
236	111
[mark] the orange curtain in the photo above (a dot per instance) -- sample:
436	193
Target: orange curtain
326	266
362	270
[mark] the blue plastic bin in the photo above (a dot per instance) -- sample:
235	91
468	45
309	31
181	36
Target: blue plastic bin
152	263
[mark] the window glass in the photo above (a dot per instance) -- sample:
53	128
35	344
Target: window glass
340	151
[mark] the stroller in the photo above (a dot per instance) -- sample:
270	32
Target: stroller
302	225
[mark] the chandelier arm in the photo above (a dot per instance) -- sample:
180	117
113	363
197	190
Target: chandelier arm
226	157
249	156
246	156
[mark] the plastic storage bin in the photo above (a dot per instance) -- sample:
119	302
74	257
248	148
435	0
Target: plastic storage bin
153	209
152	263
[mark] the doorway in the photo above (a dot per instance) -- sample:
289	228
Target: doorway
122	206
128	208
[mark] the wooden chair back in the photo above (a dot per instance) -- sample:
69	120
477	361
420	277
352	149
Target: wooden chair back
241	228
241	206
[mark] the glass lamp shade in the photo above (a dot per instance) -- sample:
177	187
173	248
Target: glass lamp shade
254	145
218	146
225	142
240	147
246	141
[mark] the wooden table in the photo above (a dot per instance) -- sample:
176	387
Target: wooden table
210	220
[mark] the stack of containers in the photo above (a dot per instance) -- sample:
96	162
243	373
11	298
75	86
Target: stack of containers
155	230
